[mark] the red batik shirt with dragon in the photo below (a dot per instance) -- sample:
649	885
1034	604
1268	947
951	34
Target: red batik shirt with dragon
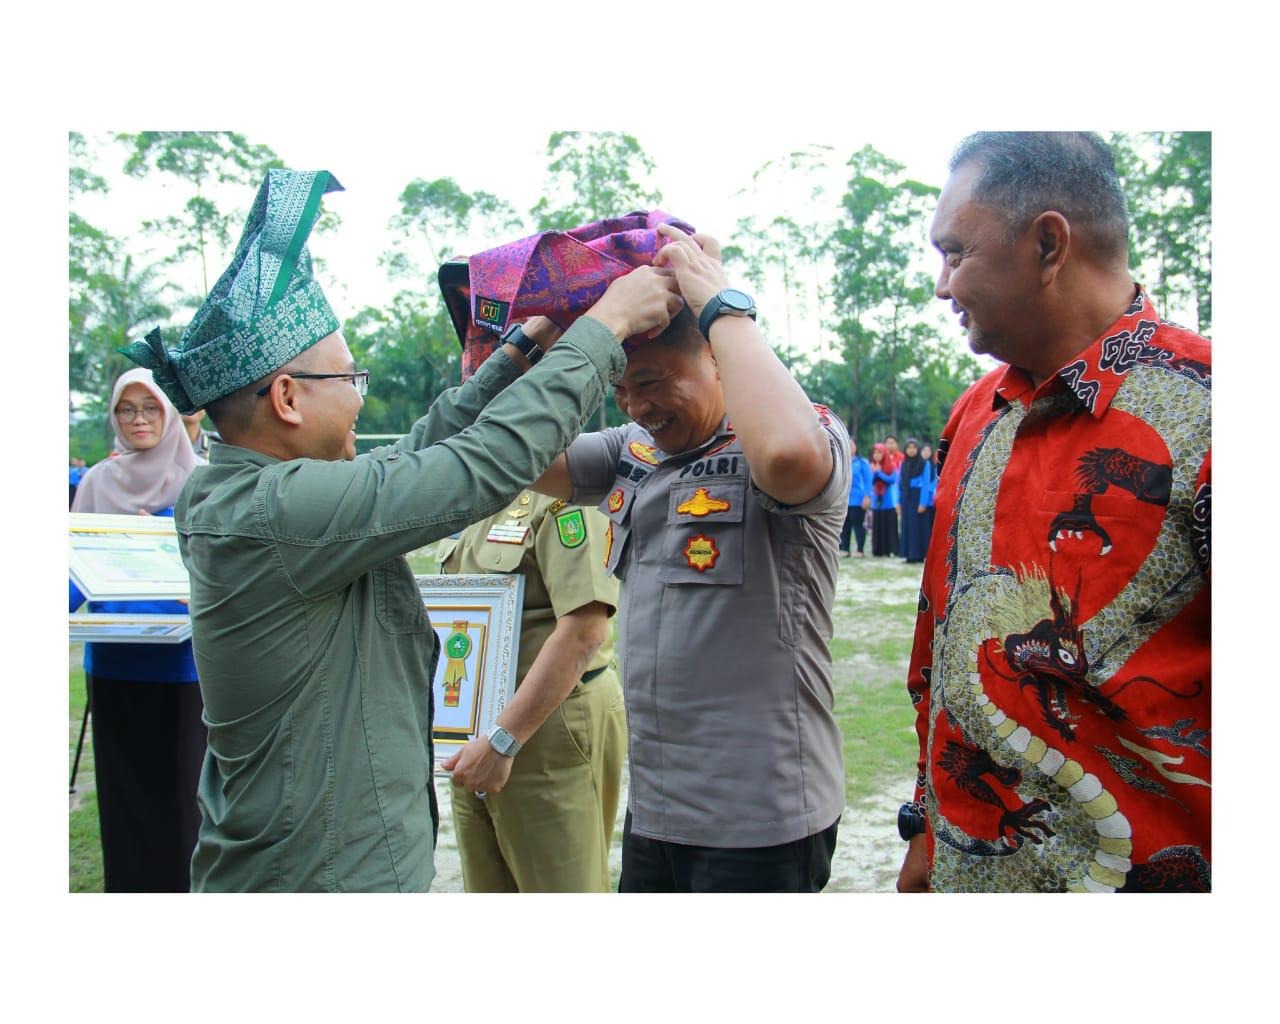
1061	665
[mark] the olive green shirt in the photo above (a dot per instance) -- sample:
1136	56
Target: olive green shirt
560	553
311	641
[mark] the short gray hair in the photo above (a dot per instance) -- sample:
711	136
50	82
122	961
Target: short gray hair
1023	174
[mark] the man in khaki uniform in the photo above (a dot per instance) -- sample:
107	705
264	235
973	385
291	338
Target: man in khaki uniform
546	820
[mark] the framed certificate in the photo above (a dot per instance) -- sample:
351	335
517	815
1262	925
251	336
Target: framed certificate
126	558
477	622
110	628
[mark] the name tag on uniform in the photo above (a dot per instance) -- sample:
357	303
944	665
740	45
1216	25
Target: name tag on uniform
510	532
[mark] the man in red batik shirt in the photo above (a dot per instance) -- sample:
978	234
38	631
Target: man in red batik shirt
1061	664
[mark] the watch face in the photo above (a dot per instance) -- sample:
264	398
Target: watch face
735	299
501	740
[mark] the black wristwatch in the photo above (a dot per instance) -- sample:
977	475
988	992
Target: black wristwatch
727	301
514	335
911	821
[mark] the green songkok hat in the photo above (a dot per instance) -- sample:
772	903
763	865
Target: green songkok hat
265	309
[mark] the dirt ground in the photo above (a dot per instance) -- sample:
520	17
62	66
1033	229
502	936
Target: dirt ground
868	850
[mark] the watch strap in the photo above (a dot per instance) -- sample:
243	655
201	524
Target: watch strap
514	335
717	307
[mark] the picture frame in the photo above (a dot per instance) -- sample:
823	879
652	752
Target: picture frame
113	628
476	618
126	558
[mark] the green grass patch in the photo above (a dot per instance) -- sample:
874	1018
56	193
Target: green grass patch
84	839
875	614
85	847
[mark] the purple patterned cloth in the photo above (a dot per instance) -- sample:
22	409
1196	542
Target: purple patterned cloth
556	274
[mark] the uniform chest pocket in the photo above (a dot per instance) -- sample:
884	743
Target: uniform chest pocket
704	542
502	556
396	600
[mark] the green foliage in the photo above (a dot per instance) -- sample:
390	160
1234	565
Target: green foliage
435	216
113	296
890	361
412	354
202	160
1167	177
591	176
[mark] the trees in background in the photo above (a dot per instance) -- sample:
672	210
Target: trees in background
1168	181
841	249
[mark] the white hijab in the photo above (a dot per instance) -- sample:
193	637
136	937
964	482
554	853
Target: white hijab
139	480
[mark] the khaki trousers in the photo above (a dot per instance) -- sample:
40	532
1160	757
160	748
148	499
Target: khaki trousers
550	828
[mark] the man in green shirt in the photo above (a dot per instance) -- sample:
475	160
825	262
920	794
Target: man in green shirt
313	647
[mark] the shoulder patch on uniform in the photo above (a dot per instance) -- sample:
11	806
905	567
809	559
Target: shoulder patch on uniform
643	452
556	506
571	528
824	414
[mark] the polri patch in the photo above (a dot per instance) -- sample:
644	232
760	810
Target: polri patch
491	313
616	500
572	529
701	553
643	452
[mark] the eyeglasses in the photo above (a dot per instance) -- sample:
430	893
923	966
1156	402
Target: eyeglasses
126	413
359	380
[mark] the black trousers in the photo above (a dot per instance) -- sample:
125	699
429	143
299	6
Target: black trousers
653	865
855	523
149	743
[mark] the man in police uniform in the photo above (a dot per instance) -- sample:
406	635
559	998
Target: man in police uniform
551	769
311	641
725	500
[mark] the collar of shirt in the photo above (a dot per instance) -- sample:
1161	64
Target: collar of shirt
1095	375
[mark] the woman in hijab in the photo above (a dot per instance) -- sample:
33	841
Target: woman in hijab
915	486
884	501
148	735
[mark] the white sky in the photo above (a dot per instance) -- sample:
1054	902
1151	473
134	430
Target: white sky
495	78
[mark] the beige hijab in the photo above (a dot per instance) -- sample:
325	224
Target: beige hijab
139	480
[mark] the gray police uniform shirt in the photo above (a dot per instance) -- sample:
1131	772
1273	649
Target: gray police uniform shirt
724	622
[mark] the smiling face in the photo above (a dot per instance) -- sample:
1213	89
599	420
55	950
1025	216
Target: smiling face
139	417
991	282
674	392
329	407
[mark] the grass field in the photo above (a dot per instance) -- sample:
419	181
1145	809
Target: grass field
874	616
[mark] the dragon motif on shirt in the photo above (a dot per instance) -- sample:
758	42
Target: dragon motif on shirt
1059	826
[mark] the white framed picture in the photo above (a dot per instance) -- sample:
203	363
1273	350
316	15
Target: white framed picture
126	558
476	618
112	628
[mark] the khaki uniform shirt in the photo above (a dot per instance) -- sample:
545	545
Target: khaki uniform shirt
724	625
558	548
311	641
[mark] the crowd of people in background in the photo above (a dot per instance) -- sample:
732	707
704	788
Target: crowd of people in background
891	500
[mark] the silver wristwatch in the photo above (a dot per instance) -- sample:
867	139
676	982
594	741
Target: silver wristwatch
503	742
